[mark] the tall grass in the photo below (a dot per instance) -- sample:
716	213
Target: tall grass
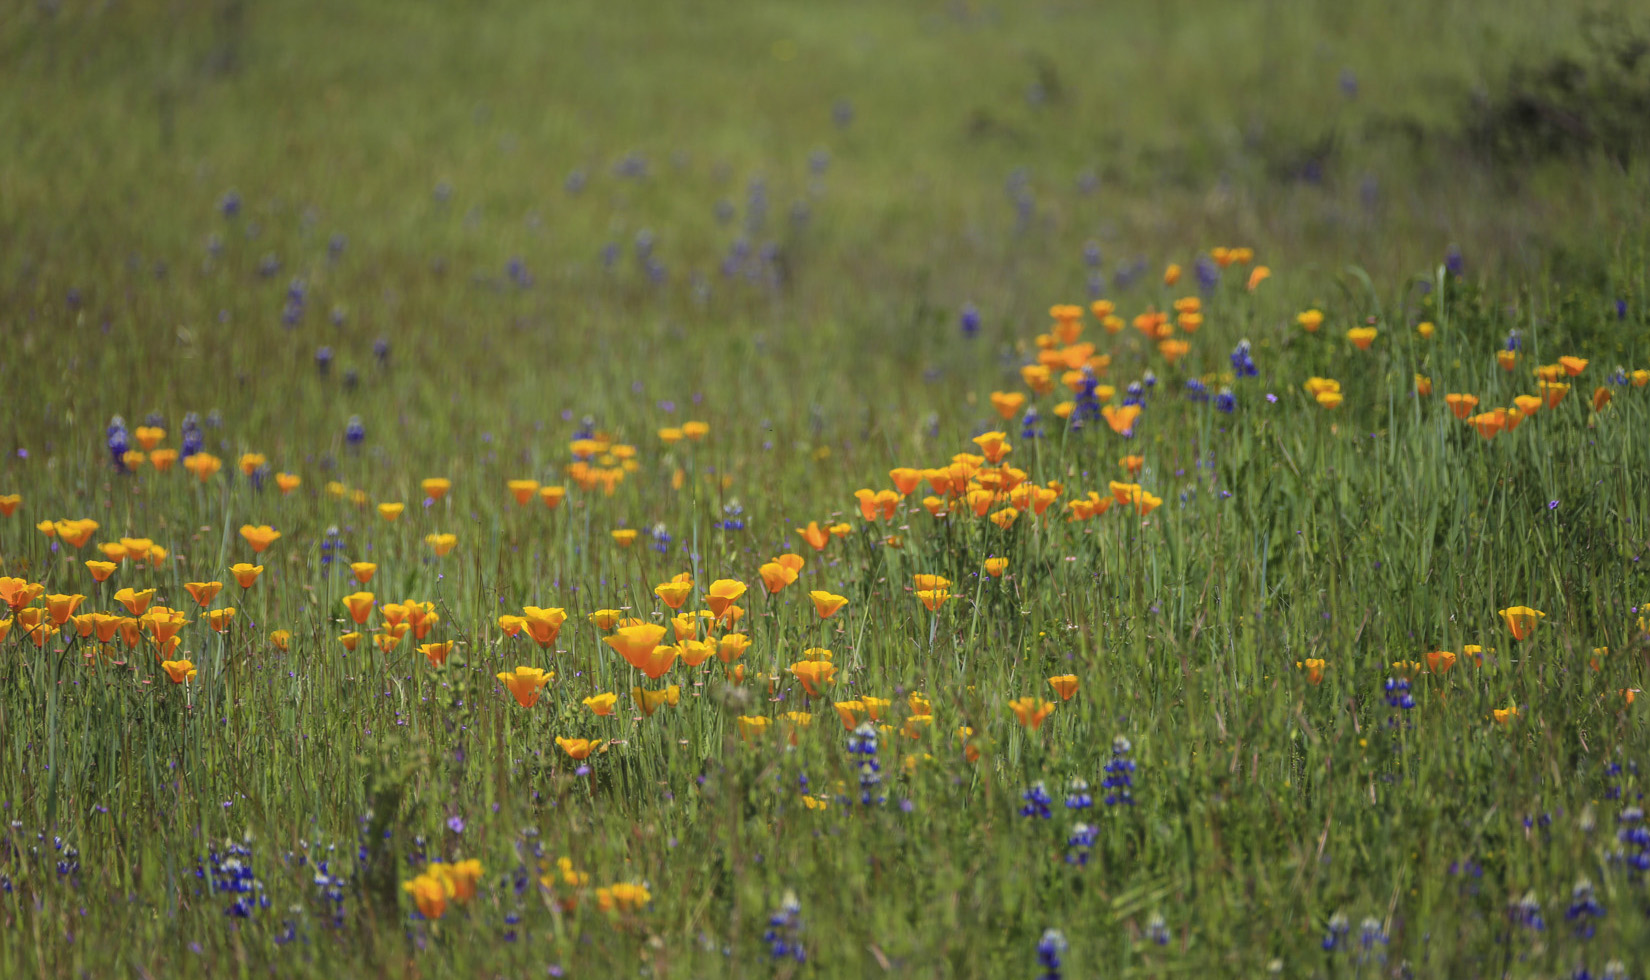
1266	810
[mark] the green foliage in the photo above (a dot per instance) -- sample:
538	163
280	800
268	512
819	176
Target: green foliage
987	147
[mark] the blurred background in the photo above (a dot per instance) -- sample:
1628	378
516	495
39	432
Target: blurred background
500	190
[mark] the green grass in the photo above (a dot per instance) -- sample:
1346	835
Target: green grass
1264	805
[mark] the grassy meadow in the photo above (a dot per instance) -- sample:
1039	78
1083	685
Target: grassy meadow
927	489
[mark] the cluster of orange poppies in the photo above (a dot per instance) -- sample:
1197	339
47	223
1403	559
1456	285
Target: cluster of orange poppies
1551	388
396	620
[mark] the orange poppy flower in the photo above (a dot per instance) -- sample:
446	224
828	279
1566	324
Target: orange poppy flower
636	645
522	490
1121	419
1461	405
359	605
826	604
995	567
732	646
651	701
179	670
1362	337
135	601
1310	320
1440	661
1573	366
245	574
1064	685
287	482
1031	711
815	535
1522	620
525	683
1552	392
203	593
101	570
815	675
441	543
1007	403
219	619
933	598
543	625
1423	385
578	749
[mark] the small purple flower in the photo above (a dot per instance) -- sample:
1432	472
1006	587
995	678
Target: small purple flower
455	824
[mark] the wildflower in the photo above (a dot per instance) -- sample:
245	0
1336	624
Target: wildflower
1121	419
429	895
359	605
1573	366
1258	275
650	701
695	431
179	670
135	601
1397	693
1337	929
826	604
437	653
995	567
722	594
389	511
1552	392
1037	801
815	675
101	570
1310	320
552	496
525	683
1521	620
281	640
1361	337
1489	423
350	641
673	593
1119	774
994	445
932	599
1064	685
60	607
1007	404
624	898
605	619
1462	405
441	543
752	728
1031	711
731	647
522	490
1508	359
814	535
1440	661
1601	398
245	574
578	749
624	537
203	465
636	644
